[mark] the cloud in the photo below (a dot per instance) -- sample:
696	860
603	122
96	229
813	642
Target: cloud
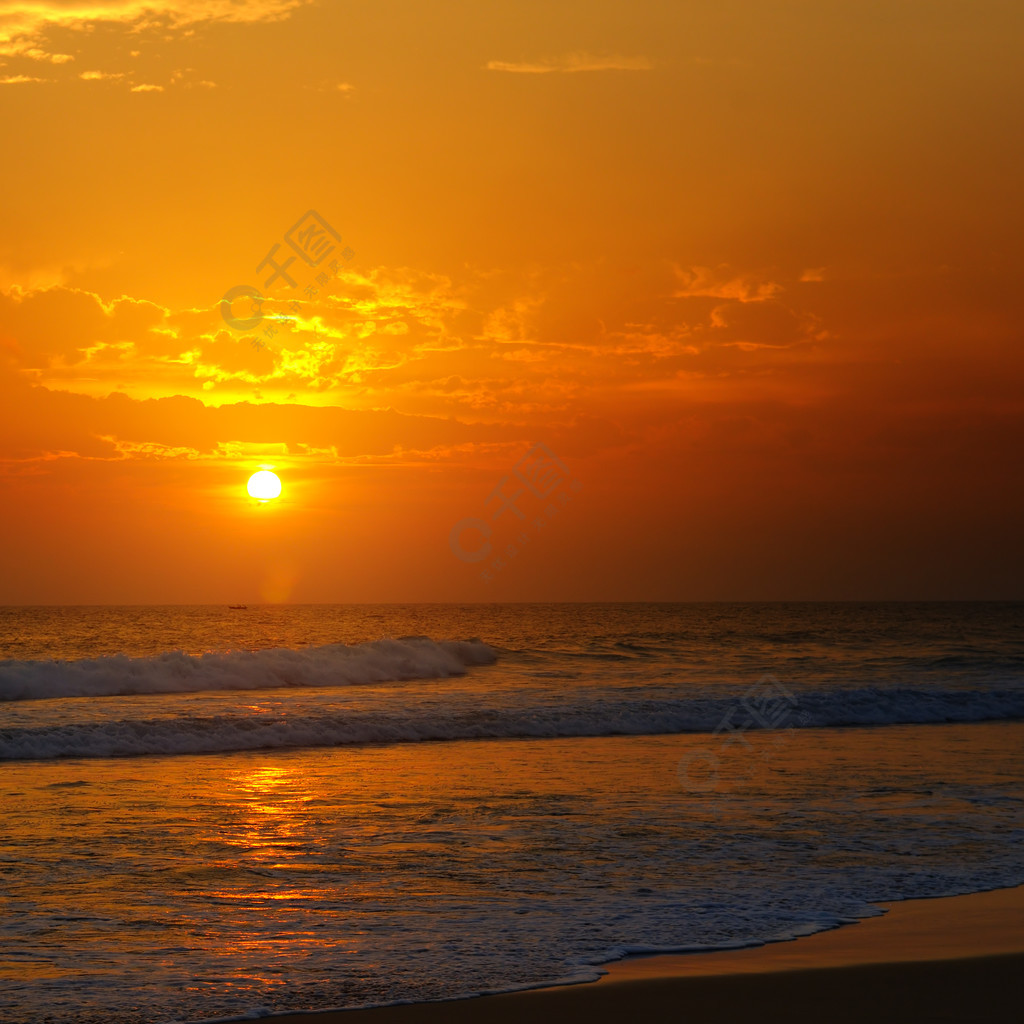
45	425
116	76
26	47
488	345
71	339
572	62
19	79
23	24
34	53
332	85
722	283
68	327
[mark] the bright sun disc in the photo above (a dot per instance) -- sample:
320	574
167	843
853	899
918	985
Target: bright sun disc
264	485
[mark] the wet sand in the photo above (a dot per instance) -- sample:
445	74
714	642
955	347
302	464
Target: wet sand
957	959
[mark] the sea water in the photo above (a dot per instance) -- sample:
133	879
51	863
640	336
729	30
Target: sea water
211	813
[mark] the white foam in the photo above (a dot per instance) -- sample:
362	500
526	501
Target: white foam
408	720
177	672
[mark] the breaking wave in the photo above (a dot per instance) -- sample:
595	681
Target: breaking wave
177	672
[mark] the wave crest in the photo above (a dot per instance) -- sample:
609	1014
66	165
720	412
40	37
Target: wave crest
177	672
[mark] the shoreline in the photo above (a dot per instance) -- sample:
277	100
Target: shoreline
951	958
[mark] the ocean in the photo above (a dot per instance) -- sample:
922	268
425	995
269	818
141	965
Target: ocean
224	813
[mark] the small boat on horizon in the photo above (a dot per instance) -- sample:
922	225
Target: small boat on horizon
238	607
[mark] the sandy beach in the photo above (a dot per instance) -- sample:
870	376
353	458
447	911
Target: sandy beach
954	959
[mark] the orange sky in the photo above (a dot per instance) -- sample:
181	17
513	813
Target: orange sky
750	270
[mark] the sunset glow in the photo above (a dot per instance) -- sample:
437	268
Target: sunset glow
748	271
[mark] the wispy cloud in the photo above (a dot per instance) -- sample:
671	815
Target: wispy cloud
572	62
332	85
722	283
35	53
19	79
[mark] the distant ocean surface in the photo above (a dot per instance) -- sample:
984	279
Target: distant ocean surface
210	813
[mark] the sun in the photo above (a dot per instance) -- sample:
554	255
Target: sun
264	485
